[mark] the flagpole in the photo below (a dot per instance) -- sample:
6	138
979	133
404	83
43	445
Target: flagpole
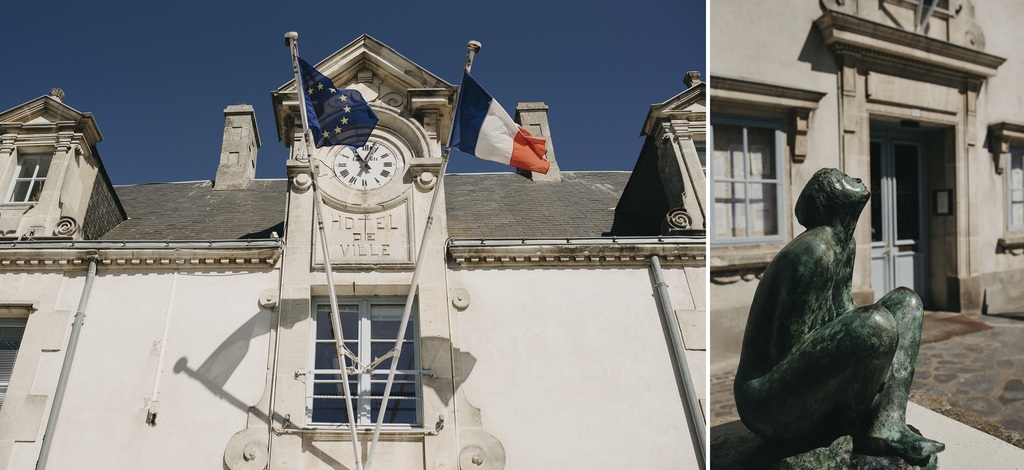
396	352
292	40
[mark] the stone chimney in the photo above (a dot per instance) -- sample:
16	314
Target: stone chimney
692	79
238	152
534	118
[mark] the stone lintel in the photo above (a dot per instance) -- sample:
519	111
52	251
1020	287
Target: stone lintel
843	32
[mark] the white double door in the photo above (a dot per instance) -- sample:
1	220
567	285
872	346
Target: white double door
899	209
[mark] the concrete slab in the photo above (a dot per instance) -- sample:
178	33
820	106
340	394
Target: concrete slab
733	447
966	448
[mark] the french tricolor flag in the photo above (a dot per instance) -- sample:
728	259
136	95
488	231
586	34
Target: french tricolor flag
484	129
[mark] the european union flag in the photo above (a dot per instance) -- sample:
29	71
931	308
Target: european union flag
337	116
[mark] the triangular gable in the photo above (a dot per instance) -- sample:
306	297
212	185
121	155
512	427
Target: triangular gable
343	66
393	75
691	102
46	112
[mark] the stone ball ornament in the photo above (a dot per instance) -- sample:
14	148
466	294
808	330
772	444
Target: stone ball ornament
815	366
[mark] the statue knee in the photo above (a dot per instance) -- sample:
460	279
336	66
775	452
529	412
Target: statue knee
878	329
903	301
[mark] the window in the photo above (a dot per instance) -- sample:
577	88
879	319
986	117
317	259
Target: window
370	328
1015	191
702	155
11	331
29	177
747	180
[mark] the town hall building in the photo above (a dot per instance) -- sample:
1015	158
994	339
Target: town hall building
188	324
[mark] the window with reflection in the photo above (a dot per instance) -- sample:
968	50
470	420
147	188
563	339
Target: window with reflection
370	328
746	174
11	332
1015	191
29	177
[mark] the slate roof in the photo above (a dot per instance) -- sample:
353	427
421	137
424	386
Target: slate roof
194	211
489	205
508	205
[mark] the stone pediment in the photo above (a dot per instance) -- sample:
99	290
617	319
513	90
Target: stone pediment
49	115
382	75
690	105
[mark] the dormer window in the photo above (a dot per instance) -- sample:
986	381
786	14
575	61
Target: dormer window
29	177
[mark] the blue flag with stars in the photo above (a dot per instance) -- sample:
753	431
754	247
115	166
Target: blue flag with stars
337	116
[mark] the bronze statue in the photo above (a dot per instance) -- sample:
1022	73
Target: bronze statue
814	365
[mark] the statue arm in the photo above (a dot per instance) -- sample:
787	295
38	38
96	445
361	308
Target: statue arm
804	293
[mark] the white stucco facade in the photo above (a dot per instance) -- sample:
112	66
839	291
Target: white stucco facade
204	339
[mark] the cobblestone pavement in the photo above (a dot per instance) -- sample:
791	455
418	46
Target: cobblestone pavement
979	371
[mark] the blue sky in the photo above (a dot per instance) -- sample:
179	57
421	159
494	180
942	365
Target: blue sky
158	75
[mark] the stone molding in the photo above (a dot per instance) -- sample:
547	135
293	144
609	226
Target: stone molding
793	104
729	265
1012	244
851	34
146	258
581	253
1004	135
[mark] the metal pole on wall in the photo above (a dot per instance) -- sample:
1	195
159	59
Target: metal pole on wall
396	352
292	40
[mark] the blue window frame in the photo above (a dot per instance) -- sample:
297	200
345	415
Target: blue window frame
370	327
747	181
1015	191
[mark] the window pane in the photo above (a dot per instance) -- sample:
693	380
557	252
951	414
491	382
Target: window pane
44	166
407	358
399	411
728	151
329	410
10	342
20	191
28	166
702	154
907	192
761	148
1017	214
349	323
730	210
35	189
876	191
763	205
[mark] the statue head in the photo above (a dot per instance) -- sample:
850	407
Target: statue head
831	195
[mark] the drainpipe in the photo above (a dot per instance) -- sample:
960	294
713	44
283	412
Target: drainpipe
65	369
678	350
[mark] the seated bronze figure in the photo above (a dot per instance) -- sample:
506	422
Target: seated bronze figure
814	365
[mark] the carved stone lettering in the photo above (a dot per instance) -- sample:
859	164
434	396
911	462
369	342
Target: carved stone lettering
377	238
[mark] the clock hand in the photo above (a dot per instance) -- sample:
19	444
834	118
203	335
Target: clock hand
369	155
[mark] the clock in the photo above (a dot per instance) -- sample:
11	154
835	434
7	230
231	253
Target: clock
368	178
366	168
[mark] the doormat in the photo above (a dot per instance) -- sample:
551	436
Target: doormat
940	329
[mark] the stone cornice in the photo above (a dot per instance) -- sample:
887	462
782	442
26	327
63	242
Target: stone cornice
688	253
847	33
143	255
1003	136
775	95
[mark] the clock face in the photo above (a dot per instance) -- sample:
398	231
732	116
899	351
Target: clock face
368	167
